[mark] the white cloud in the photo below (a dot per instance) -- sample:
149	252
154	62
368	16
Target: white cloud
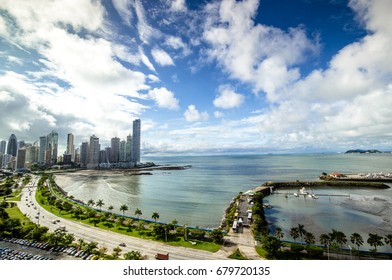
146	32
164	98
218	114
228	98
161	57
124	9
262	56
193	115
178	5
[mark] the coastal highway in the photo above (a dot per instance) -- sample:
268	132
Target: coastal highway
29	206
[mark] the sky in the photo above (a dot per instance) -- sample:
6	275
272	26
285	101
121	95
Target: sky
204	77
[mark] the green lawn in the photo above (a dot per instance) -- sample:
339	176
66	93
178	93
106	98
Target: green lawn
237	255
14	212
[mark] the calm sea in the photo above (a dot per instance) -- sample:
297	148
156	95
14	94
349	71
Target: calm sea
198	196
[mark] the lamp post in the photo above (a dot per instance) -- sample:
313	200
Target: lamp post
351	256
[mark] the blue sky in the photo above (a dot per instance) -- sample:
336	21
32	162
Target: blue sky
203	76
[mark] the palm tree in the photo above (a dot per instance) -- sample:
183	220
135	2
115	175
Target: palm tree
138	212
338	237
155	216
100	203
356	239
375	240
90	202
301	231
123	208
309	238
294	233
388	239
110	208
278	233
325	240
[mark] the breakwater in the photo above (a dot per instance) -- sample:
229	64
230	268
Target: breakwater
326	184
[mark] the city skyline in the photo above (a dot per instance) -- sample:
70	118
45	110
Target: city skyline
205	76
91	154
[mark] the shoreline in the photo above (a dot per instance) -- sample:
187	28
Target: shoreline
326	184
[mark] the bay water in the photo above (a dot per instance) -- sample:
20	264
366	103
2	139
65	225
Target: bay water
199	195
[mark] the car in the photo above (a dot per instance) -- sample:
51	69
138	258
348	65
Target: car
54	222
122	245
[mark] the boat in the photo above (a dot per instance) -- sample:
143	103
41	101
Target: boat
303	191
314	196
295	194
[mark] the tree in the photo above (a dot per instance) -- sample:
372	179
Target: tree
338	237
388	239
356	239
271	244
309	238
375	240
301	231
278	233
133	255
138	212
123	208
155	216
217	236
90	202
294	233
128	224
116	252
110	208
100	203
90	247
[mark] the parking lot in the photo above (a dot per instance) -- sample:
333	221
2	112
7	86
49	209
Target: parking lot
20	249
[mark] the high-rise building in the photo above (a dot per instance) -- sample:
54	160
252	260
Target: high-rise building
20	159
12	147
123	151
108	152
21	144
115	149
136	141
77	155
84	154
52	145
42	149
128	152
70	146
3	145
93	154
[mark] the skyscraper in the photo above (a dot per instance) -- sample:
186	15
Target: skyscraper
123	151
136	141
42	149
52	145
3	145
20	159
128	152
70	146
115	149
12	146
84	154
93	153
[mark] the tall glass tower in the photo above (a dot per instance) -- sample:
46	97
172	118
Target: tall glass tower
70	146
3	145
136	141
12	147
52	145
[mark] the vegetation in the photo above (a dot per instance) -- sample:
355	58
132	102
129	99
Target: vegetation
237	255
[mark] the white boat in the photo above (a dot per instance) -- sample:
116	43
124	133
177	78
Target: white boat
314	196
295	194
303	191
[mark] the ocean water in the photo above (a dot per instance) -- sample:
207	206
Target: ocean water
199	195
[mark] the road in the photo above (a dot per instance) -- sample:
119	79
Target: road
29	206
